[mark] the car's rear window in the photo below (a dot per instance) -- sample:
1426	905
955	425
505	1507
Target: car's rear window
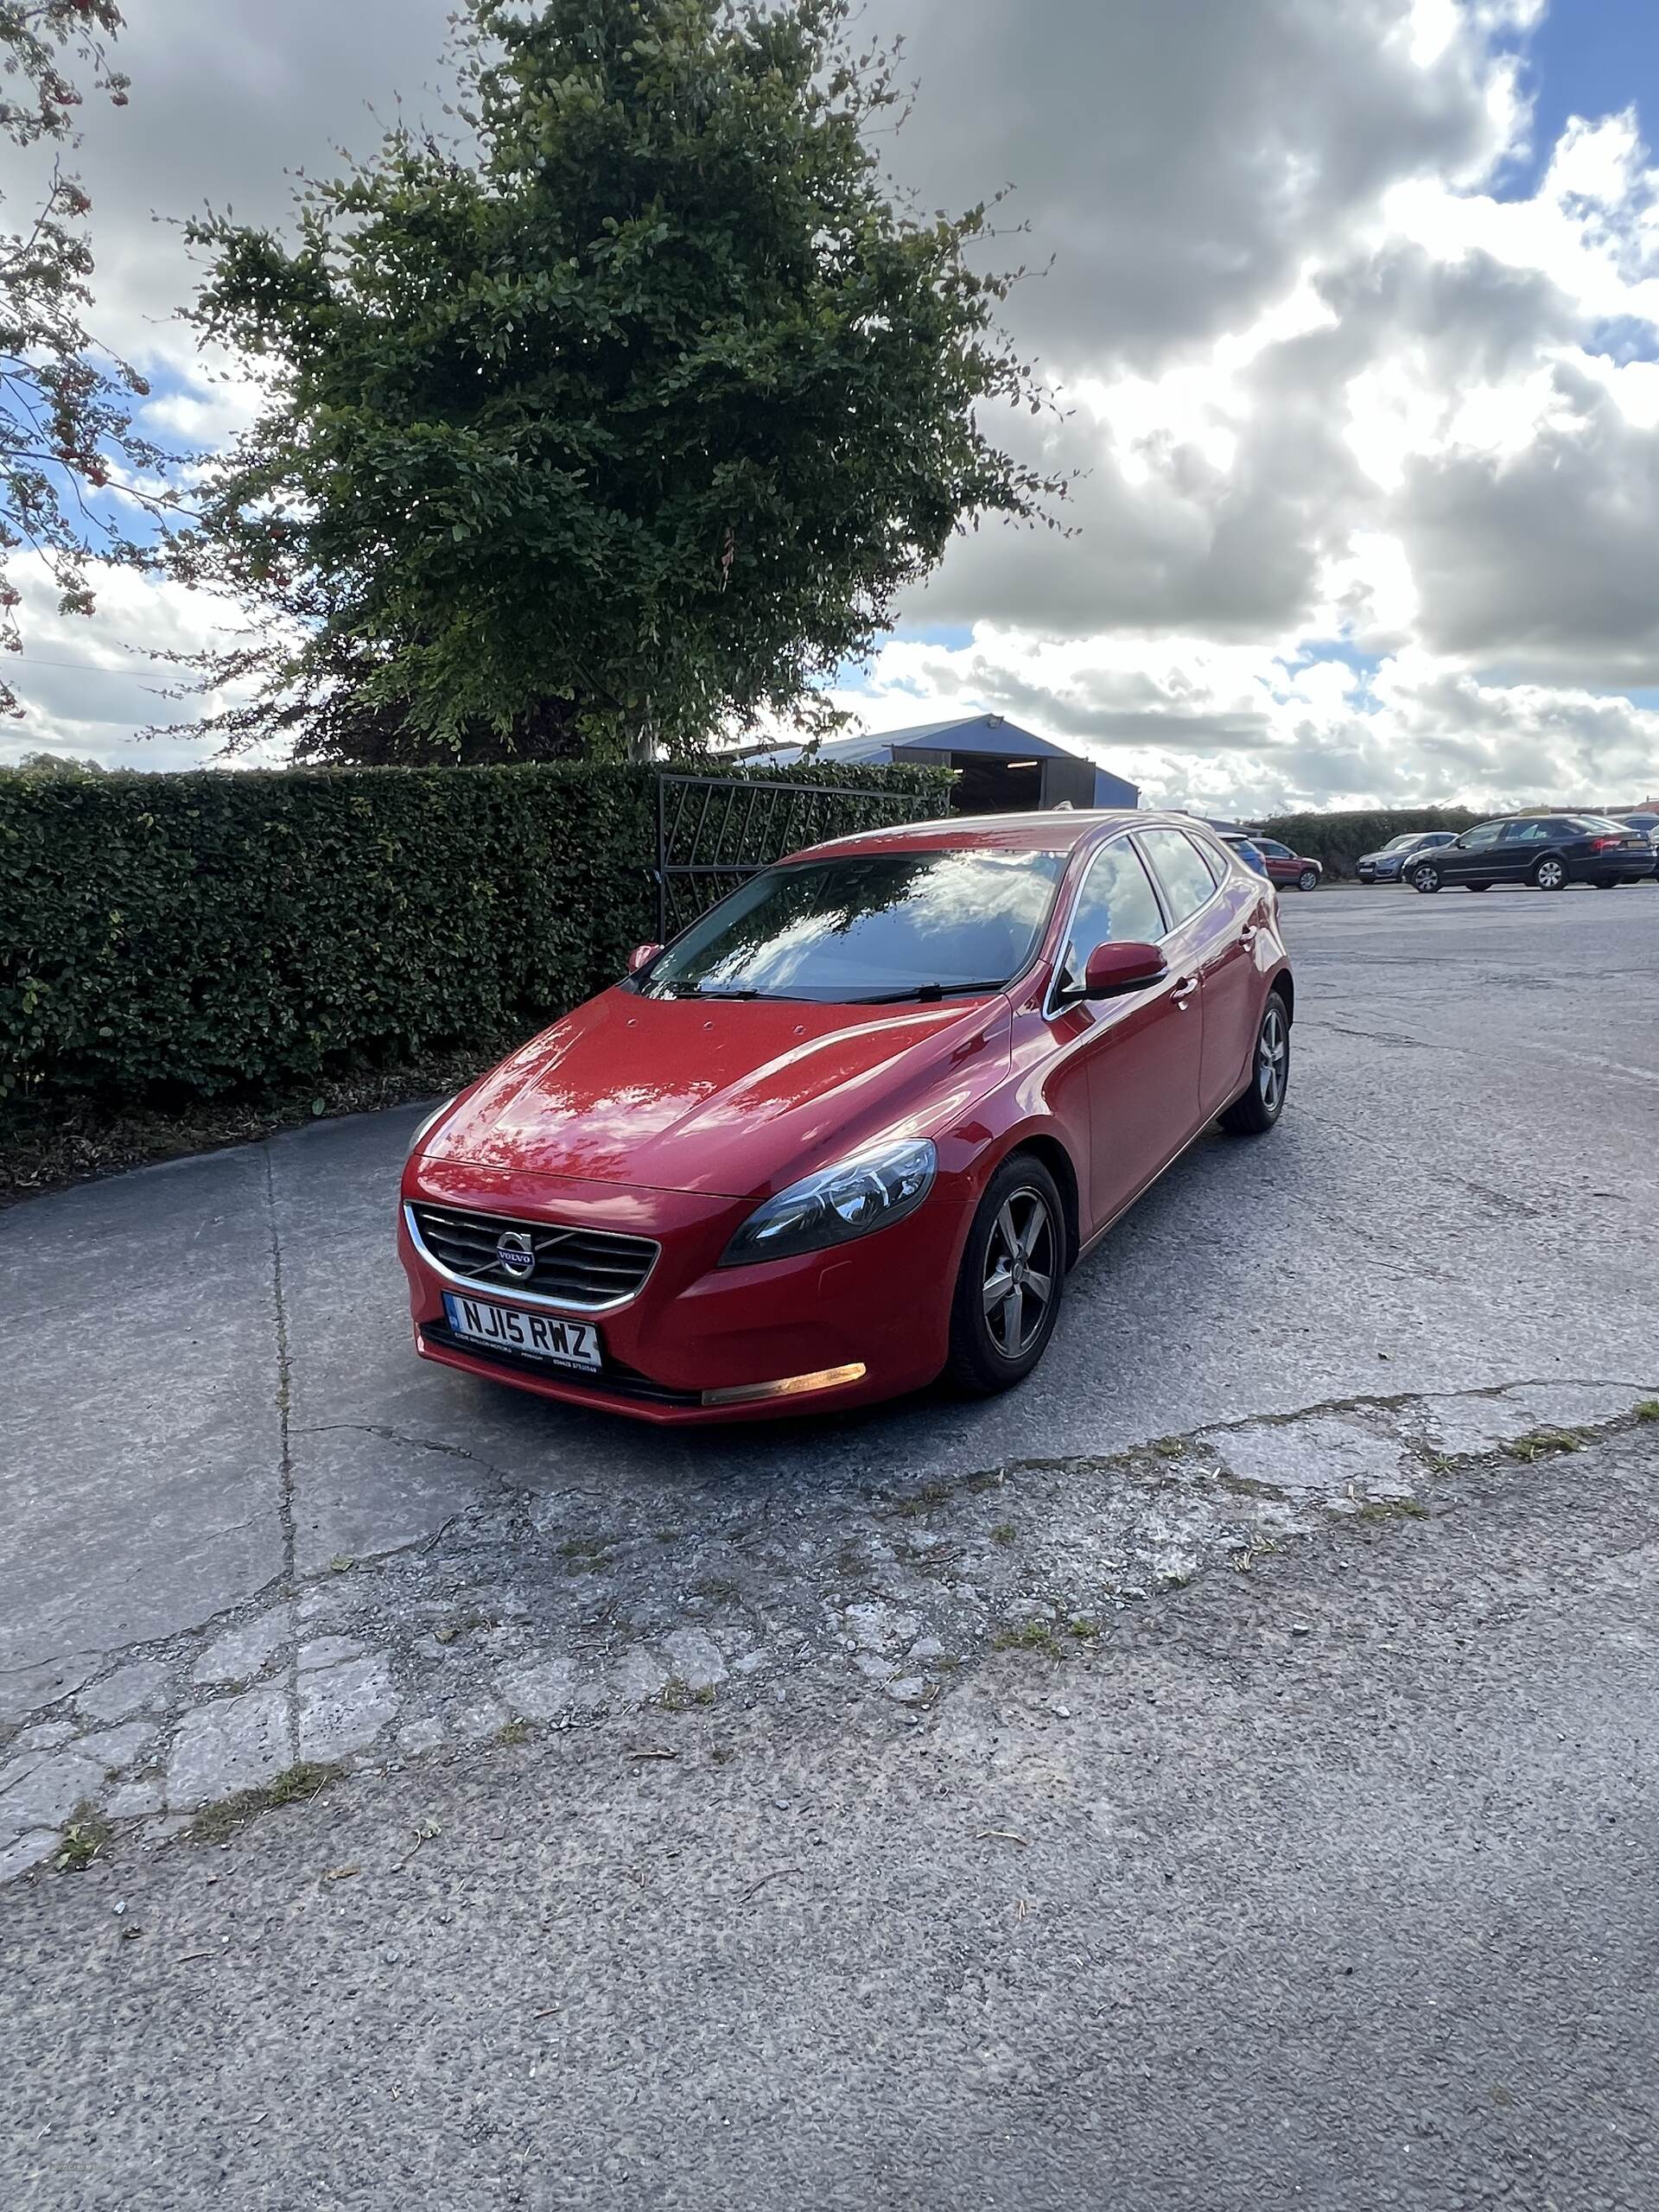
867	926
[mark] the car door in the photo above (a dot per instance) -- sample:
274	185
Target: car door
1141	1055
1224	946
1519	849
1474	855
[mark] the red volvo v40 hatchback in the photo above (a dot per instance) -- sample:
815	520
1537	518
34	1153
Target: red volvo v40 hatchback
852	1129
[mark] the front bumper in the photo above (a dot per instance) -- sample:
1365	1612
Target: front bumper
880	1305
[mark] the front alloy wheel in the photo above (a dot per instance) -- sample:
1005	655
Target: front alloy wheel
1012	1275
1426	878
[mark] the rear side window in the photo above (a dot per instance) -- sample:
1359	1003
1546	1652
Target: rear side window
1185	880
1527	833
1118	906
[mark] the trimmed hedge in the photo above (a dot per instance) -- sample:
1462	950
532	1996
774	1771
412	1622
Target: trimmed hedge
1339	840
210	935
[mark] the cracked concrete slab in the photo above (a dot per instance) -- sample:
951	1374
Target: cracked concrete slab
230	1744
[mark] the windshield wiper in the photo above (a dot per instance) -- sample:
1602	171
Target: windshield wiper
738	995
928	991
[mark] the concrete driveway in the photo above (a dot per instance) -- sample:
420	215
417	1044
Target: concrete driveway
246	1529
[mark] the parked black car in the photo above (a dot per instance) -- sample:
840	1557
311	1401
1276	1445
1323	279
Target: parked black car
1388	863
1548	851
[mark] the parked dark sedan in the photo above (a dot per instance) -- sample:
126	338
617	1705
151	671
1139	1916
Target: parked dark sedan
1388	863
1547	851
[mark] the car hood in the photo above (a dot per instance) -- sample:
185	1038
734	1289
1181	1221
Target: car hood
733	1098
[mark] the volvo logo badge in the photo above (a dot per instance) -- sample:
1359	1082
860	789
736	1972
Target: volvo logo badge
516	1254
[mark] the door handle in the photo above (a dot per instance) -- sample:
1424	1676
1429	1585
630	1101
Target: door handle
1183	990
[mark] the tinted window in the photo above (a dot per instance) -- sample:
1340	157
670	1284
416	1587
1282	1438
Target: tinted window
1118	906
868	925
1180	870
1526	833
1488	834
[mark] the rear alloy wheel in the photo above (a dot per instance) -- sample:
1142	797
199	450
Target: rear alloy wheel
1426	878
1254	1112
1549	875
1011	1281
1308	879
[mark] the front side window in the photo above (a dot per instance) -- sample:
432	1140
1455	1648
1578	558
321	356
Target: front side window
867	926
1180	870
1274	852
1488	834
1118	906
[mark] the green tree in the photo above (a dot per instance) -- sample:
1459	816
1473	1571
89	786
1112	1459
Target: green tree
617	425
66	418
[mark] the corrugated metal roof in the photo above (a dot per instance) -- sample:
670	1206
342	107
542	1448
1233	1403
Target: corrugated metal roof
991	734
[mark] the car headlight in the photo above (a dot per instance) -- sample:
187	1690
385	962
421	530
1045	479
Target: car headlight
429	1124
837	1204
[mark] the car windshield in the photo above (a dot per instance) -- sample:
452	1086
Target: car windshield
867	926
1411	837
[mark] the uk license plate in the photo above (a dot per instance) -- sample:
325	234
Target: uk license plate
536	1336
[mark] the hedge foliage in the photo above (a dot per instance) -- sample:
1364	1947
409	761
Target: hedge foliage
167	938
1339	840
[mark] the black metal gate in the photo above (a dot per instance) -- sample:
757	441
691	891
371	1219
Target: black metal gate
713	831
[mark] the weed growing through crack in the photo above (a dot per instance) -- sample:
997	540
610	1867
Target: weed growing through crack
84	1838
1027	1636
676	1696
586	1555
1004	1533
293	1785
513	1731
1392	1509
1543	1443
1648	1410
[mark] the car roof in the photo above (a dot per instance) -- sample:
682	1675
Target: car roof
1055	831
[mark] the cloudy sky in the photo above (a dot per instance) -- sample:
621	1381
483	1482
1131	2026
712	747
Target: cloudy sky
1355	304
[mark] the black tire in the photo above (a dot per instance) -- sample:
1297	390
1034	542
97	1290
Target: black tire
1426	877
1477	886
1608	882
980	1362
1550	875
1308	879
1258	1106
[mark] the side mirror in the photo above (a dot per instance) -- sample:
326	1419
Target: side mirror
1116	969
641	956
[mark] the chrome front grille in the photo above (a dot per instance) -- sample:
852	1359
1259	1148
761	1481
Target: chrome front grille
584	1271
